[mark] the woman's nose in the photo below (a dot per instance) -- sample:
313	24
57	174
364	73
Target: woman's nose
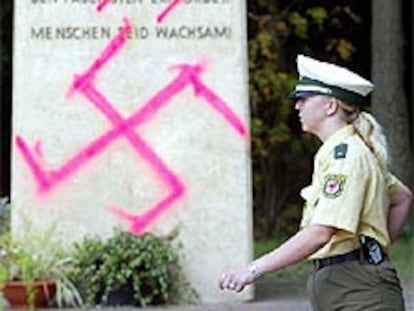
298	104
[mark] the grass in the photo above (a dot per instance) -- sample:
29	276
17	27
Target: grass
402	255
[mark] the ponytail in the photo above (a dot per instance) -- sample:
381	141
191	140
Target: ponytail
372	134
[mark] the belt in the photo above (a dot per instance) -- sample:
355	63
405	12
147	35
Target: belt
334	260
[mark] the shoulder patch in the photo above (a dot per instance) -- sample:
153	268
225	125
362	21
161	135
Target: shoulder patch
334	185
340	151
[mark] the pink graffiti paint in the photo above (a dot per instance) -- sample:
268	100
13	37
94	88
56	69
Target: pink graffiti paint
114	47
188	75
102	4
97	146
138	223
125	128
168	10
38	149
48	179
176	187
200	89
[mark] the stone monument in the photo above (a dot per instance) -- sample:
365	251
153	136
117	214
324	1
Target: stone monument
134	113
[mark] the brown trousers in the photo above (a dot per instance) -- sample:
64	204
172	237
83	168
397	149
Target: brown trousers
354	286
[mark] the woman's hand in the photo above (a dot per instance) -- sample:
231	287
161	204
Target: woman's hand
300	246
236	279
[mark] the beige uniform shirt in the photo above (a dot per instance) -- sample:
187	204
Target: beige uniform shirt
350	192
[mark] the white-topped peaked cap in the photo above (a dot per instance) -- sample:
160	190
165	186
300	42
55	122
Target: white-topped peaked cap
318	77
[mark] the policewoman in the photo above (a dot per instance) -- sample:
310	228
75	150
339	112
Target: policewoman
354	207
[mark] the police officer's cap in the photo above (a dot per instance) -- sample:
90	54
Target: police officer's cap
316	77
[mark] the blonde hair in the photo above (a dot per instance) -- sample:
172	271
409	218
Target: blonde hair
370	131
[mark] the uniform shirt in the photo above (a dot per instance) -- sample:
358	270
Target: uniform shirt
350	192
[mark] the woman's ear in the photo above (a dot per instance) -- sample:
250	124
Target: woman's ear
332	106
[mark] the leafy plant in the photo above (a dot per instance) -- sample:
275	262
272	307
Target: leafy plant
145	266
34	257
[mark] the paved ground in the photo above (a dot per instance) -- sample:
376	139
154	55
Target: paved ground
270	296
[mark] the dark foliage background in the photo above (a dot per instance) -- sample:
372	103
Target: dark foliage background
337	31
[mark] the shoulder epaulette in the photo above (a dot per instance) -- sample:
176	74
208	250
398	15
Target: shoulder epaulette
340	151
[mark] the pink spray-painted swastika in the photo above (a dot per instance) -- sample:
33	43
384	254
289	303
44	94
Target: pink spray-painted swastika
188	75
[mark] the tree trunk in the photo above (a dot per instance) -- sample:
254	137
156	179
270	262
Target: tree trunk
389	101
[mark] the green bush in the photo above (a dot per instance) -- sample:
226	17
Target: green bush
142	267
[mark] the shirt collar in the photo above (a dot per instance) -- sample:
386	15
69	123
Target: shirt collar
333	140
